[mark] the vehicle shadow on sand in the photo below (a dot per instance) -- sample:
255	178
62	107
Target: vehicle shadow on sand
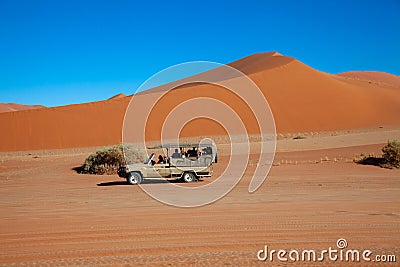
146	181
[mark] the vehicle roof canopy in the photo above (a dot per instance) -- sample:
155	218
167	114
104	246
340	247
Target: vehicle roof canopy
182	145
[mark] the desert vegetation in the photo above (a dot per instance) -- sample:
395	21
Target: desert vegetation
109	159
390	156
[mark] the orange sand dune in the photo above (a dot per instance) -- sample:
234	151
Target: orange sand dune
10	107
89	124
373	77
117	96
302	99
261	62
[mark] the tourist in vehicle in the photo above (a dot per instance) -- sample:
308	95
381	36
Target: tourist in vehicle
176	154
161	160
193	152
207	150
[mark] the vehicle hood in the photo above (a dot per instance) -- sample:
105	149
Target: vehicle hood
134	166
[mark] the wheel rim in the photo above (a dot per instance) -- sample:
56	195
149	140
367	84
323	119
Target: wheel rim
133	179
188	177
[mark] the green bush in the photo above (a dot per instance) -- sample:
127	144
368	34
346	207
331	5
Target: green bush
108	160
391	154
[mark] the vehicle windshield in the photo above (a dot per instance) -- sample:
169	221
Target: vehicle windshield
149	159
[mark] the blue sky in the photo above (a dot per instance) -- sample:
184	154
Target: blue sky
61	52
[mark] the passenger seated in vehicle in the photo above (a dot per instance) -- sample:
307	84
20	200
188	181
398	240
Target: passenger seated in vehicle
161	160
207	150
176	154
193	152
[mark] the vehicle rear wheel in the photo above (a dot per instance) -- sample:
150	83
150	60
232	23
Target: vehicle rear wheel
134	178
189	177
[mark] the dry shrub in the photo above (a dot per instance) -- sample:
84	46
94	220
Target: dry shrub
390	157
391	154
108	160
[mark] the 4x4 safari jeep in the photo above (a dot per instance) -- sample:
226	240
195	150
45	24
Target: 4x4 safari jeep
188	162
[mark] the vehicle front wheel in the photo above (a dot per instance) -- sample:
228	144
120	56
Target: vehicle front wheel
135	178
188	177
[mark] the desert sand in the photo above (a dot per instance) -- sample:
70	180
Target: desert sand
382	78
10	107
53	216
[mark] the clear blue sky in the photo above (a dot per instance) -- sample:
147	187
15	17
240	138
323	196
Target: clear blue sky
58	52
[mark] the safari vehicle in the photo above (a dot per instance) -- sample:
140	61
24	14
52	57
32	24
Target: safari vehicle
188	162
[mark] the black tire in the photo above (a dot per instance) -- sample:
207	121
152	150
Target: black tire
189	177
134	178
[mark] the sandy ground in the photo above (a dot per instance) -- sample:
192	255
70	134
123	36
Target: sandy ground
50	215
